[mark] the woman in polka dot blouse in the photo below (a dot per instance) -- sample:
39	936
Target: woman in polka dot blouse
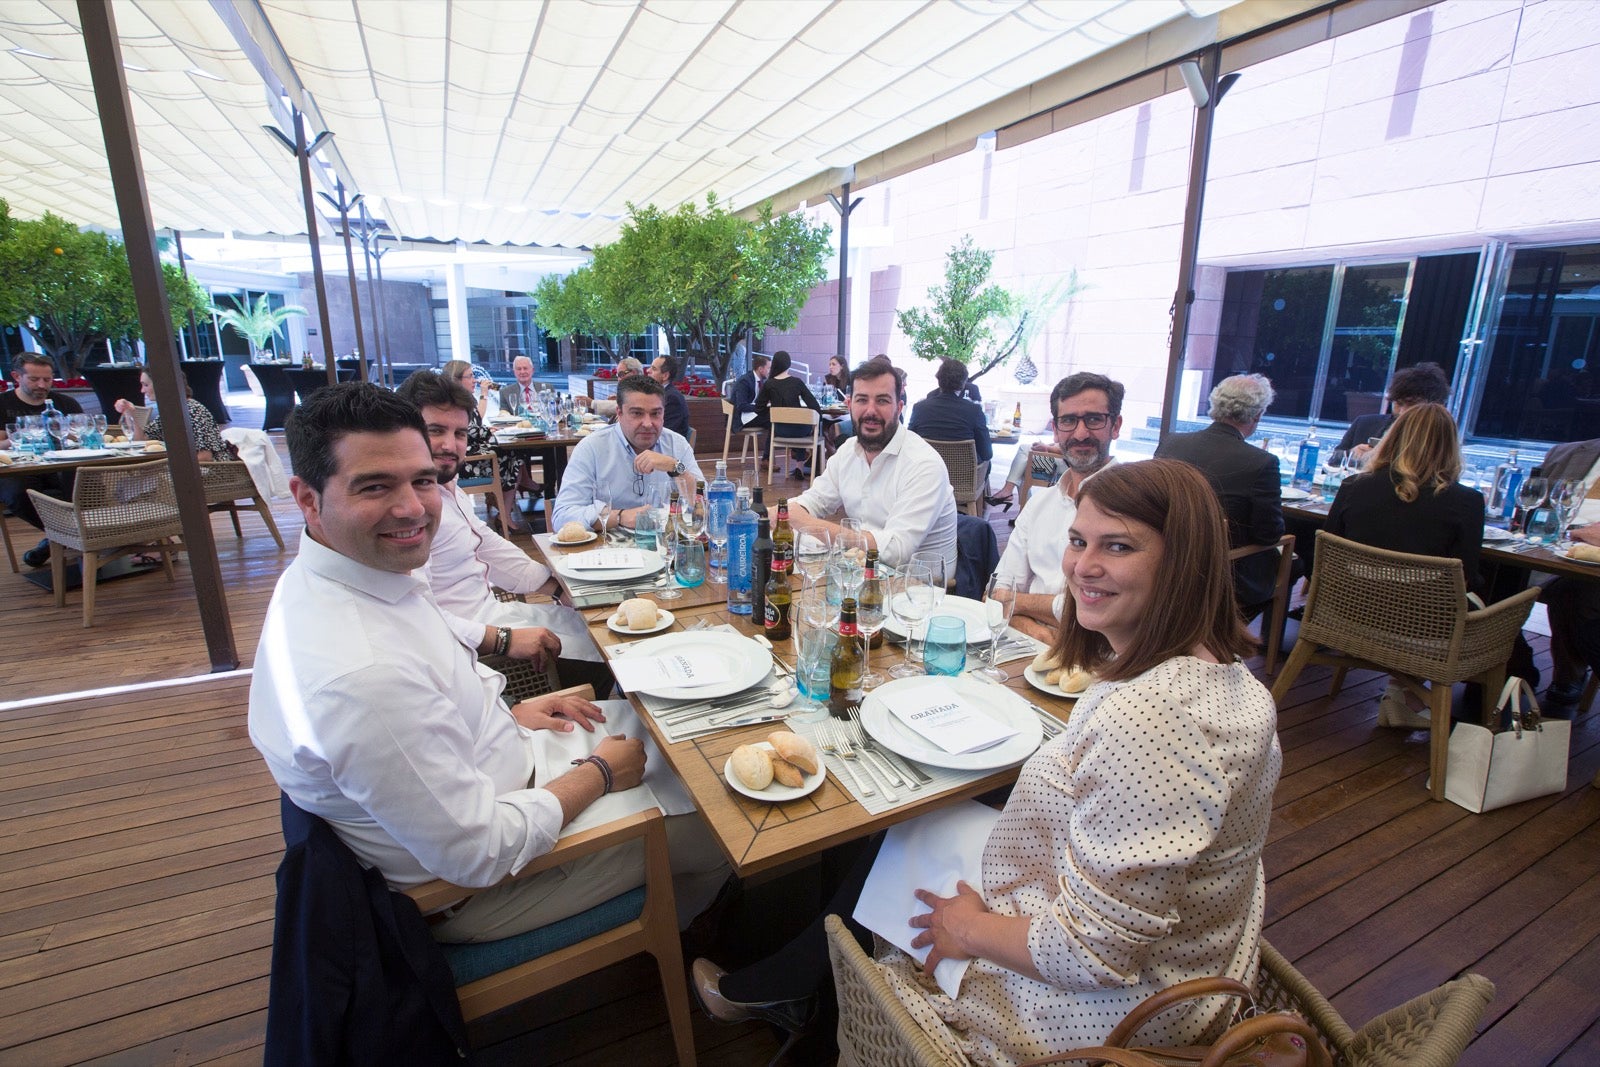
1128	857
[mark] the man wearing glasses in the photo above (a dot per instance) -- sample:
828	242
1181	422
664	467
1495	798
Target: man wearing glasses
620	463
1086	412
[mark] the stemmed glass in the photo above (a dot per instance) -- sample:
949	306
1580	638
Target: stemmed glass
602	509
717	531
811	551
869	620
999	600
846	566
911	600
660	499
1566	496
1530	494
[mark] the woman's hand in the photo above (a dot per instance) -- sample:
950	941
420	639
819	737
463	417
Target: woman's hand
948	927
123	406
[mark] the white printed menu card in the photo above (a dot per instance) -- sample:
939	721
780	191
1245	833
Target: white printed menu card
939	714
673	670
607	559
932	852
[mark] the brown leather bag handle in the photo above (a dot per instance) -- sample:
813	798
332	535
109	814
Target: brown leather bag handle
1159	1002
1121	1057
1242	1035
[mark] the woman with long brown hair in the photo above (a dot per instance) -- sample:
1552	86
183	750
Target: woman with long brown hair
1128	856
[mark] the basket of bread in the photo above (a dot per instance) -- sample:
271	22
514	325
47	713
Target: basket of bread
783	767
639	616
1047	673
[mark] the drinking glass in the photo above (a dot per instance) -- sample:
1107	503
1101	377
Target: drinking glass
717	531
1566	496
936	571
602	508
691	564
946	650
659	497
14	433
644	530
1530	494
911	599
811	551
815	639
999	600
1544	525
869	620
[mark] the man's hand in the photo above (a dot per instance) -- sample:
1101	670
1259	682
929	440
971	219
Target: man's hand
558	713
1361	451
1034	629
1589	535
533	643
645	462
1047	446
123	406
946	927
626	758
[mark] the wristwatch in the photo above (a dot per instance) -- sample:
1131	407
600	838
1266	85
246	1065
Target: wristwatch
679	467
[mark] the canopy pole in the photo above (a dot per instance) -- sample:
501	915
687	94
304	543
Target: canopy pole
344	207
844	207
155	321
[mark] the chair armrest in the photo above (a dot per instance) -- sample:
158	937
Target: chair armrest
583	692
58	516
1433	1028
431	896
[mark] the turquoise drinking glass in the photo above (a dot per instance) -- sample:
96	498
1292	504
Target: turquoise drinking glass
946	649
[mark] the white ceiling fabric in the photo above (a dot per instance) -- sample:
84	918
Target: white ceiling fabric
512	121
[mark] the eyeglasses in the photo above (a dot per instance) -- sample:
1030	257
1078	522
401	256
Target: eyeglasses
1094	420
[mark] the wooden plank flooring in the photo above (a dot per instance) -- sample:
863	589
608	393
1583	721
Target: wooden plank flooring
141	835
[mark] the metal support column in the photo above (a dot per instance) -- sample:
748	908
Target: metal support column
155	320
844	207
344	207
303	153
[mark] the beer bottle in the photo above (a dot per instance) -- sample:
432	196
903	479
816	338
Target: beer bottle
848	665
779	596
783	533
1016	417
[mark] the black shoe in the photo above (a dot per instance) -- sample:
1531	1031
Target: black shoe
790	1016
996	501
38	555
1562	696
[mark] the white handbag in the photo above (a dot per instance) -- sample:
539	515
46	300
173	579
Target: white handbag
1490	770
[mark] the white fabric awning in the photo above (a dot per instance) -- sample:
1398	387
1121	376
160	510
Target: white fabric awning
512	121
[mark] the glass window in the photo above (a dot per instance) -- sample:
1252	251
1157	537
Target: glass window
1272	324
1365	335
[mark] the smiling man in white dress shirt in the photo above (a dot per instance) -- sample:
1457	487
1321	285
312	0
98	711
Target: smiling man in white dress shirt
372	713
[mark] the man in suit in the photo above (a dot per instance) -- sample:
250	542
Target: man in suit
1244	476
945	416
745	388
1573	603
664	370
518	396
1425	383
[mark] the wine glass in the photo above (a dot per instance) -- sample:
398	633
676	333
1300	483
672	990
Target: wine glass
1566	495
911	600
999	600
659	496
869	620
1530	494
602	511
811	551
717	531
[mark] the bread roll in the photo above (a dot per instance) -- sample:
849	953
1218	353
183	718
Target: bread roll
641	613
155	446
787	774
795	749
1076	681
573	531
1045	661
752	766
1587	553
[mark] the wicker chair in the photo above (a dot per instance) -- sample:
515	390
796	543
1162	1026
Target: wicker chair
115	511
1277	610
1044	470
226	483
1408	616
5	535
968	478
1430	1030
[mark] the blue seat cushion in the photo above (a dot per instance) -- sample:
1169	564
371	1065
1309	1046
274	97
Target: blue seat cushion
470	962
473	481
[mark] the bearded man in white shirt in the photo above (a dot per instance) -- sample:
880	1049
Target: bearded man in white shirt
372	714
1086	415
886	476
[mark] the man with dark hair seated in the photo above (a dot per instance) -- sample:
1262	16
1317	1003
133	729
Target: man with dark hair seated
1424	383
664	372
372	714
945	416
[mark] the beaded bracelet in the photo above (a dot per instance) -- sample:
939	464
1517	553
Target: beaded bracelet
605	769
502	641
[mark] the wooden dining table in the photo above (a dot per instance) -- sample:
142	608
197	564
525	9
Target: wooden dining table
552	450
756	835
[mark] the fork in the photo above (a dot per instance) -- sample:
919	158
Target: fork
869	749
828	736
847	752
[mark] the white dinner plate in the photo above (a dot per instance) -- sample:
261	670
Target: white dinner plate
1294	495
563	563
1000	703
1036	679
663	620
585	539
747	662
1494	533
968	611
774	792
79	453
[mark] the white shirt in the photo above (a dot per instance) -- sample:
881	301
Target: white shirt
372	714
468	561
1133	842
903	497
1039	540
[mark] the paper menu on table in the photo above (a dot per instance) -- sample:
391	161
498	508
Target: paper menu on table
938	714
932	852
606	559
672	670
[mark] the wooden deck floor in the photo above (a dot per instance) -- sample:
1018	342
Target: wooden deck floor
141	835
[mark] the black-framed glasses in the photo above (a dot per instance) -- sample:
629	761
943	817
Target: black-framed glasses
1094	420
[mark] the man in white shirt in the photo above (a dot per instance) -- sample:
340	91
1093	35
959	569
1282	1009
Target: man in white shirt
518	396
624	461
1086	415
886	476
372	714
469	560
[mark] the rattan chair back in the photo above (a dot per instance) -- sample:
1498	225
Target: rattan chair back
968	478
121	505
228	481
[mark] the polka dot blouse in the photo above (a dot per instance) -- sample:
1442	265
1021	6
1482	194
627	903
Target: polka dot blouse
1133	842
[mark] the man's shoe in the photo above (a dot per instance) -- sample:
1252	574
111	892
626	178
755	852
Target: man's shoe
1393	711
1562	695
38	555
790	1016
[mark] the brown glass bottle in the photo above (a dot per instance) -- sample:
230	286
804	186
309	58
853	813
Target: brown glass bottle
780	597
848	665
782	532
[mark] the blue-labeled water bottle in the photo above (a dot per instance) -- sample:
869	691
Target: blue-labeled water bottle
719	509
1305	463
1507	480
741	548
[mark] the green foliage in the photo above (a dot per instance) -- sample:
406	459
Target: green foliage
965	308
583	302
257	323
711	277
77	288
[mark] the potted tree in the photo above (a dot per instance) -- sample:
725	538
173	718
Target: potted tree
257	323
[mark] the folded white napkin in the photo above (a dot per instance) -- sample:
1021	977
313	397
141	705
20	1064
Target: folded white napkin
672	670
935	711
